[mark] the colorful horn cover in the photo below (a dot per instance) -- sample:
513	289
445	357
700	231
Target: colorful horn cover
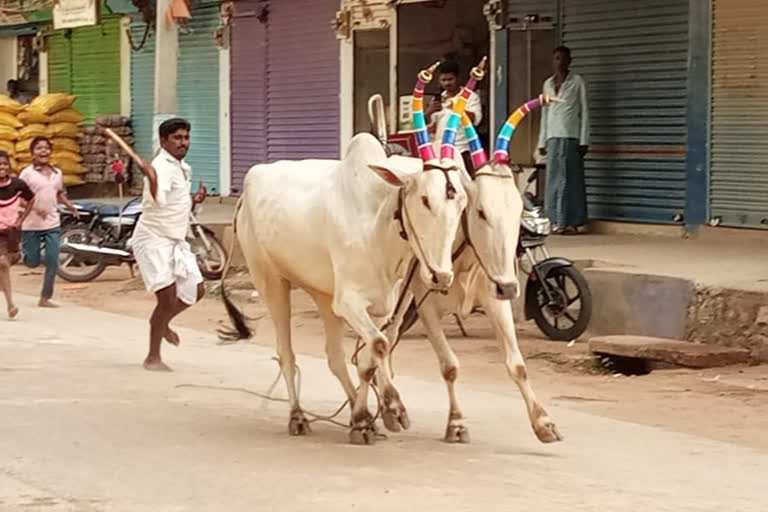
501	154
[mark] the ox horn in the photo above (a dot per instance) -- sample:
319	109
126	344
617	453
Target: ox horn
426	150
501	153
447	147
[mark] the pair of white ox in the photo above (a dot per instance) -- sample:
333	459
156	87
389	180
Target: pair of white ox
347	232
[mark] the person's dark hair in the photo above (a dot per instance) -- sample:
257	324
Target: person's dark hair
173	125
449	66
5	155
37	140
564	50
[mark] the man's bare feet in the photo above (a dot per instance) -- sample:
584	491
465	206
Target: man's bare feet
46	303
155	364
13	311
172	337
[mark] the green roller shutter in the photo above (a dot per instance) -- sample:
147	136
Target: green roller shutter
86	62
197	94
96	68
59	62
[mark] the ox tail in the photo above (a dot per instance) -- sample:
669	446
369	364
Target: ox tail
240	328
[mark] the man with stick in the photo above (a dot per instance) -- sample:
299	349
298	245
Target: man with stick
164	258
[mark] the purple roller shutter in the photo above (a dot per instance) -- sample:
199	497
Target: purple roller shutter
302	80
248	90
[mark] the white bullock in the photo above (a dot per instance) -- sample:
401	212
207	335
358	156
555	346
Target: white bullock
485	272
346	232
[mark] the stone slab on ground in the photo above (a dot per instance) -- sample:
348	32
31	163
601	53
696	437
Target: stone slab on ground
680	353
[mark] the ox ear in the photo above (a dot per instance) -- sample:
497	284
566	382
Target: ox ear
388	175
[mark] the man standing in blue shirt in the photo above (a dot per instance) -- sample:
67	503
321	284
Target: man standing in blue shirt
564	139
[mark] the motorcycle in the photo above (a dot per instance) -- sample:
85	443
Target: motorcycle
99	239
557	295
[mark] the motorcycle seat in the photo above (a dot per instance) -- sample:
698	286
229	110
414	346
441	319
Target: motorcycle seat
102	209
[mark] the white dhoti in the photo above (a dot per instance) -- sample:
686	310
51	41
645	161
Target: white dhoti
163	261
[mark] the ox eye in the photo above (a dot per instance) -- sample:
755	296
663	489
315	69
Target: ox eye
425	202
481	214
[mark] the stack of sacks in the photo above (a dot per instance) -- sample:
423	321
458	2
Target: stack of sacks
9	128
51	115
99	151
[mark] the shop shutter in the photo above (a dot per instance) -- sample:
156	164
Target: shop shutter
85	61
248	86
739	155
302	80
197	94
142	88
96	68
633	56
59	62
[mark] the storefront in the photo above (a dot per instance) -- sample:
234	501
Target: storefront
739	156
284	83
389	46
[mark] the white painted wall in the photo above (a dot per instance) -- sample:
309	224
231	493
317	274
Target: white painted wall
225	124
346	93
8	70
125	68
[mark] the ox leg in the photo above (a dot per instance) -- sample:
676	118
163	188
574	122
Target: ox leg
500	314
277	295
372	356
334	349
455	431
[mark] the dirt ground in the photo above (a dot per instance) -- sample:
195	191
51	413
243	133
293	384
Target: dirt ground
726	404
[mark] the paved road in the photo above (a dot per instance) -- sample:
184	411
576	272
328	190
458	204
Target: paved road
84	428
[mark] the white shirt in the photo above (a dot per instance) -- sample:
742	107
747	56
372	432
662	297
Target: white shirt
473	107
569	118
168	216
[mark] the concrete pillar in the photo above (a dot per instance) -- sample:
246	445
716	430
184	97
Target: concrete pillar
166	58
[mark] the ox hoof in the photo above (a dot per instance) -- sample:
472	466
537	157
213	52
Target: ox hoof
395	419
547	432
457	434
363	435
298	425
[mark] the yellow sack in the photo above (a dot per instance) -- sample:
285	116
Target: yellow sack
8	146
22	147
71	179
64	130
63	154
8	133
10	120
34	130
9	105
52	102
68	115
33	116
69	167
64	143
15	165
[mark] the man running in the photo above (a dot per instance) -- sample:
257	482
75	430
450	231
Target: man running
164	258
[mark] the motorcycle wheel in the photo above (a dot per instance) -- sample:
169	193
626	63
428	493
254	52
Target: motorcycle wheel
567	316
211	262
72	268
